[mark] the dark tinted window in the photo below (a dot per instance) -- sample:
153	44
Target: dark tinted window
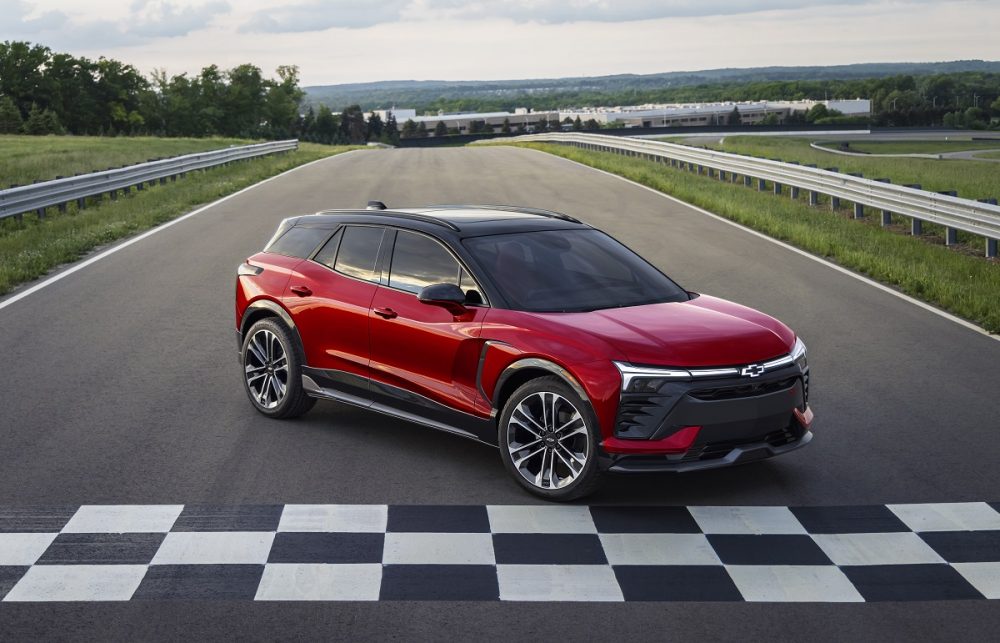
298	242
419	261
328	253
359	251
570	271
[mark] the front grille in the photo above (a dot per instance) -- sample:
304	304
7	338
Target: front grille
639	415
805	387
751	389
716	450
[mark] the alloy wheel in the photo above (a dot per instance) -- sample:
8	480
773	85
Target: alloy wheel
266	369
548	441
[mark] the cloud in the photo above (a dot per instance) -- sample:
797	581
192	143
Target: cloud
144	20
320	15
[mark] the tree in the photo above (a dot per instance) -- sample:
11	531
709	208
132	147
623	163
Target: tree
327	125
375	127
11	121
577	124
734	119
422	130
995	106
542	125
41	122
390	133
353	128
478	127
591	124
505	128
409	129
440	129
817	111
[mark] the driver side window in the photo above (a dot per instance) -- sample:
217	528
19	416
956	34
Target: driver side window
419	261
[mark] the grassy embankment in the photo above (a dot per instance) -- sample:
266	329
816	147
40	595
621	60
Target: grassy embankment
33	246
916	147
989	155
966	285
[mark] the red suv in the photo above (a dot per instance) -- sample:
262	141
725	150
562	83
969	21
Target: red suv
521	328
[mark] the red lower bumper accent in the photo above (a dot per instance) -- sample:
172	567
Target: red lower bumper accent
805	419
677	443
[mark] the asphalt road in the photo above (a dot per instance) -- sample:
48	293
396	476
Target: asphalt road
121	386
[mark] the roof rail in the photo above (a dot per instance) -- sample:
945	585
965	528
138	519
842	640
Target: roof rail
394	213
514	208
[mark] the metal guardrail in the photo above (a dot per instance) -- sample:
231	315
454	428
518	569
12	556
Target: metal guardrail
39	196
979	218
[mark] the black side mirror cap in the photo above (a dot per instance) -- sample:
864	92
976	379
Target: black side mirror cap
448	296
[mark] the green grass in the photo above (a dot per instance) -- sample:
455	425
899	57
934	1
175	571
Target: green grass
33	246
25	159
915	147
972	180
968	286
989	155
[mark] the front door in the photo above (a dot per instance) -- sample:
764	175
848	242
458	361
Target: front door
423	357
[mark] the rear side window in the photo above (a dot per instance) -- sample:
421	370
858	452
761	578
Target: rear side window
299	242
359	252
419	261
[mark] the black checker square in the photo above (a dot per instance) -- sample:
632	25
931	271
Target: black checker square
439	583
644	520
37	520
676	583
934	582
200	582
229	518
852	519
548	549
9	575
965	546
779	549
329	548
459	519
102	549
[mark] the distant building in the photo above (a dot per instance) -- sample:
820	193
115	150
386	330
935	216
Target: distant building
707	114
462	123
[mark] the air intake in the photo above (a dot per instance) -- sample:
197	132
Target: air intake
375	205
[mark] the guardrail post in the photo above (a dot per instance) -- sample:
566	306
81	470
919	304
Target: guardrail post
777	188
813	197
834	203
747	180
950	236
859	211
794	192
760	185
916	227
991	248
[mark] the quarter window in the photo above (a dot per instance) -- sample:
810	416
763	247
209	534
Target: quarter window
419	261
359	252
298	241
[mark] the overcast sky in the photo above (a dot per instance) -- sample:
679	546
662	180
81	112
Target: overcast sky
340	41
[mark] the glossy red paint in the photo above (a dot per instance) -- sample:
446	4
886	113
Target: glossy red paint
269	284
677	443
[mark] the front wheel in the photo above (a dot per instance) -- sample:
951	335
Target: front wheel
548	440
272	374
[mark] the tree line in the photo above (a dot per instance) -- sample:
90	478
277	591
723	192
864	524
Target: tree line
44	92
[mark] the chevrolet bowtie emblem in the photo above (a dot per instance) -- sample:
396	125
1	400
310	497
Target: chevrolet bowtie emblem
753	370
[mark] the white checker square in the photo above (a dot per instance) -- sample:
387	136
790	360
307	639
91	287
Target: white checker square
659	549
983	576
558	583
793	583
120	519
438	549
903	548
78	583
540	519
335	518
948	516
747	520
320	582
23	549
214	548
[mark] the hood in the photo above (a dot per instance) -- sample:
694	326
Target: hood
704	331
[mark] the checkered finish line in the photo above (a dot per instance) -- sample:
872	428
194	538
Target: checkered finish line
508	553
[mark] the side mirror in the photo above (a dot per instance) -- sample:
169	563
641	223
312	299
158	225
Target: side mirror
448	296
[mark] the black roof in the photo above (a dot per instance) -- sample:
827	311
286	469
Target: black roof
462	220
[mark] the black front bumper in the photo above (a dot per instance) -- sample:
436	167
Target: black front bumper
741	420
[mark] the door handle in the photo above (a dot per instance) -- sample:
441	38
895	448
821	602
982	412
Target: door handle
301	291
386	313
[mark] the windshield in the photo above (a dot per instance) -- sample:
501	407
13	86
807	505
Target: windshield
570	271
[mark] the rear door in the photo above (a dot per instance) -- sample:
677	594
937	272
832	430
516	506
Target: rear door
330	296
419	348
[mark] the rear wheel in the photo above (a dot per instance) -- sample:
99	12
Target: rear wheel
272	371
548	440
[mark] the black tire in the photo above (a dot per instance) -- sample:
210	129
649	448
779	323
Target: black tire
294	401
534	393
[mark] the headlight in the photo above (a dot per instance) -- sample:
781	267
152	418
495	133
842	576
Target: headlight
799	354
637	379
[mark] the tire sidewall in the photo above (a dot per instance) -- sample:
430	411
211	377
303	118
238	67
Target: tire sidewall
585	482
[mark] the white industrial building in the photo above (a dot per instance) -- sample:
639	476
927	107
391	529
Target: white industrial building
462	123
